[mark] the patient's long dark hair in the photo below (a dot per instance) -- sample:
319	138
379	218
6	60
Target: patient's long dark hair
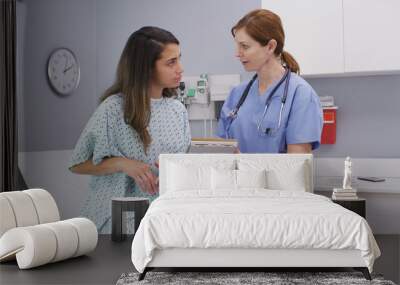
135	72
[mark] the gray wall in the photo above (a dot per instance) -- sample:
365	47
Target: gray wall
203	28
97	31
51	122
368	117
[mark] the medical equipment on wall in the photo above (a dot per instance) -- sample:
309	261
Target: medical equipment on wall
328	135
264	131
329	111
196	97
327	101
195	90
201	95
181	92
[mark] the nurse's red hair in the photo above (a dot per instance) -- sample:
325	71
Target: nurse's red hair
263	25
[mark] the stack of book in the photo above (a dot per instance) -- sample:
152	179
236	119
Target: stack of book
344	194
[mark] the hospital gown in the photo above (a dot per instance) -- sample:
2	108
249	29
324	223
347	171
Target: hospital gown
107	135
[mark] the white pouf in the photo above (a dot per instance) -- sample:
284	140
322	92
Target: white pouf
37	245
30	230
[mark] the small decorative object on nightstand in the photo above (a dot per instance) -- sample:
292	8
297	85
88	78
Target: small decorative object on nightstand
125	204
346	192
356	205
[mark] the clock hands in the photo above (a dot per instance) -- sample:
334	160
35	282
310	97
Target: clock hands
66	64
68	68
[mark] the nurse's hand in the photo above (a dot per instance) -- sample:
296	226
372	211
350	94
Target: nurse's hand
236	150
142	174
299	148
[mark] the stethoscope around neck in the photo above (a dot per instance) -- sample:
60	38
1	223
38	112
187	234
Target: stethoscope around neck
263	131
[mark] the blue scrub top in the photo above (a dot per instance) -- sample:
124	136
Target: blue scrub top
301	122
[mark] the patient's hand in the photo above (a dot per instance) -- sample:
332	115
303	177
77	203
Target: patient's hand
142	174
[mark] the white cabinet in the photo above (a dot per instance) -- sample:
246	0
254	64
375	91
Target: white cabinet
371	35
341	36
314	33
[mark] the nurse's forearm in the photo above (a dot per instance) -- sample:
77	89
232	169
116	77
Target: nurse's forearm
299	148
107	166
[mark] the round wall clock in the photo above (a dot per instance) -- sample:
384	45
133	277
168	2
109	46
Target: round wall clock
63	71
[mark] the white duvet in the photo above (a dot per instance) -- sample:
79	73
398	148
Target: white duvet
253	218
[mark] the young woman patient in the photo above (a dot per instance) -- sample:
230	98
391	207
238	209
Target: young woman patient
135	122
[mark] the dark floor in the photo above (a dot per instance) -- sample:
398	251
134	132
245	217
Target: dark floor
110	260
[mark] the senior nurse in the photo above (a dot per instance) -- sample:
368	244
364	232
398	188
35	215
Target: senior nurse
277	111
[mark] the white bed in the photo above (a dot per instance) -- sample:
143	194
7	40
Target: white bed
247	210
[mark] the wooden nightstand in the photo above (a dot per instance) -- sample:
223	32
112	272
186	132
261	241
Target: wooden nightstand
356	205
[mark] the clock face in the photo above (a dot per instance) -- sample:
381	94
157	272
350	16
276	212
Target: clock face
63	71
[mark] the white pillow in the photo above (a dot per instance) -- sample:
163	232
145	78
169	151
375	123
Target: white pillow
227	179
193	174
282	174
183	177
288	176
251	178
223	179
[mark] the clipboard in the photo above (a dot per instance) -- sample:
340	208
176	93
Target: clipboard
213	145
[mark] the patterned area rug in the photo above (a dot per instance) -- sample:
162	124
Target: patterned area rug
269	278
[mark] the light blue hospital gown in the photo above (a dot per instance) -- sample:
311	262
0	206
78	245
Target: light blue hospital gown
107	135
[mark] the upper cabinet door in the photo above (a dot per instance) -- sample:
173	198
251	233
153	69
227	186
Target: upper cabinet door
314	33
371	35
